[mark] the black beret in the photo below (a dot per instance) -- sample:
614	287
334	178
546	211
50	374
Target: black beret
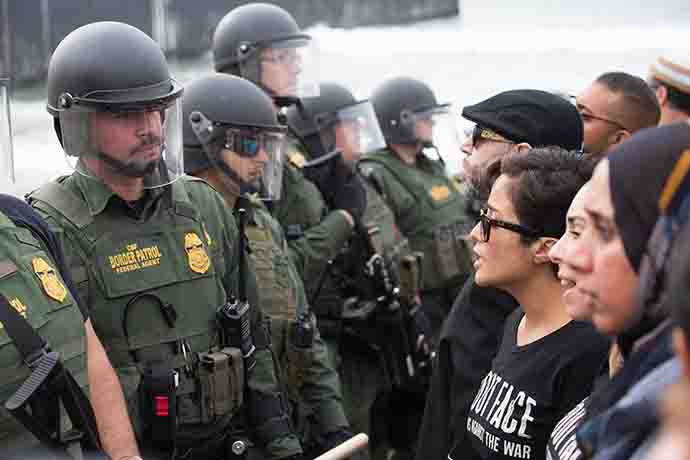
527	115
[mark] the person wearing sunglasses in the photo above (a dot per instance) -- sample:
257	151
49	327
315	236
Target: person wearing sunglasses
546	363
613	107
240	153
510	121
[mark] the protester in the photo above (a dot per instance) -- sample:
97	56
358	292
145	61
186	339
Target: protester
538	374
669	77
620	416
613	107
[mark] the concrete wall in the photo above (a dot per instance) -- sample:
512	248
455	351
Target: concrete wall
30	29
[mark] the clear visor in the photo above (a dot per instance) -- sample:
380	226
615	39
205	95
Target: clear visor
436	128
141	144
354	131
6	153
286	68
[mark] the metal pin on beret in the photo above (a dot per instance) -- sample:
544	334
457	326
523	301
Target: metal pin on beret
537	117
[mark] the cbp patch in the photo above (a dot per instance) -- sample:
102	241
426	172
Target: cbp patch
297	159
52	285
439	192
196	254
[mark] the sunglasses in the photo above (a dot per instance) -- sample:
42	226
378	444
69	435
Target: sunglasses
479	133
249	143
486	222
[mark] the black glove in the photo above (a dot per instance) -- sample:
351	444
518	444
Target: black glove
351	197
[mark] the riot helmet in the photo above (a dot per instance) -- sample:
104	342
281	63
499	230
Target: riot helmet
336	122
409	113
6	153
116	106
263	43
231	124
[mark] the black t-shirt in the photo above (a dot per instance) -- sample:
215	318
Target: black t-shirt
530	388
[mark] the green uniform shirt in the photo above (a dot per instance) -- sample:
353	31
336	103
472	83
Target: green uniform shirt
429	210
314	234
312	381
175	251
32	285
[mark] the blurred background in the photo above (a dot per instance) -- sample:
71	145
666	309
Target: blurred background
466	51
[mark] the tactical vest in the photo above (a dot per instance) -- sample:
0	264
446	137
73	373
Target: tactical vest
30	282
434	222
153	290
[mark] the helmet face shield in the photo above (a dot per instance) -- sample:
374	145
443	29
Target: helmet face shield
353	130
251	158
284	67
140	141
6	152
436	128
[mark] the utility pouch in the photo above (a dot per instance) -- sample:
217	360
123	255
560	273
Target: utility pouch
462	249
444	250
214	378
300	353
159	404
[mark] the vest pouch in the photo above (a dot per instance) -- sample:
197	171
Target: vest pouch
237	375
444	252
158	402
462	247
218	384
300	350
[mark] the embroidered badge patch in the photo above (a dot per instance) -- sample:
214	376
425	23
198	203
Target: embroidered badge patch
439	192
52	285
196	254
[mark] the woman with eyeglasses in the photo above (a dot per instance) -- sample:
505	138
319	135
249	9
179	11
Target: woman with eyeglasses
547	362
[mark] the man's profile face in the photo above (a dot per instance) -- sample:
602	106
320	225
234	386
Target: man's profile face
131	139
597	106
280	68
347	140
480	154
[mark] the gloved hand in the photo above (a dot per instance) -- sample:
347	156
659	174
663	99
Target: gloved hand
351	197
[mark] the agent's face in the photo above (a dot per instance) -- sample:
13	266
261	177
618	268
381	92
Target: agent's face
612	283
280	69
347	140
574	259
133	140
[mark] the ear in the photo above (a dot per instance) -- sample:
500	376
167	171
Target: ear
620	136
680	346
661	95
522	147
541	249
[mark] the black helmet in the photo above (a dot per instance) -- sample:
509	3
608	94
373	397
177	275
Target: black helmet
397	102
113	67
223	113
242	35
313	121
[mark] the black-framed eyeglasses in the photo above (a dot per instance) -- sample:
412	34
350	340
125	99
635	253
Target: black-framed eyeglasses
479	133
486	222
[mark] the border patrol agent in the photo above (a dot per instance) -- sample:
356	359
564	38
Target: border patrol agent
39	310
264	44
338	129
155	253
428	206
242	158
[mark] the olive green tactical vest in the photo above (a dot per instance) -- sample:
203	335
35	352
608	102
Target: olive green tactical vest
130	270
282	291
31	284
433	219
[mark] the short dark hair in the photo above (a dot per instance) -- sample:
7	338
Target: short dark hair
640	107
678	99
548	179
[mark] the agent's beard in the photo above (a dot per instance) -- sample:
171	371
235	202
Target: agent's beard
135	168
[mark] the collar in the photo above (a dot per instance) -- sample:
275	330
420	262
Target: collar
97	194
